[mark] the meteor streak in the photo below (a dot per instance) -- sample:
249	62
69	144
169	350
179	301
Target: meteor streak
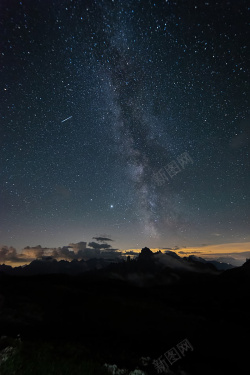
66	119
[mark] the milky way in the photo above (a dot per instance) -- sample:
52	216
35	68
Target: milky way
128	78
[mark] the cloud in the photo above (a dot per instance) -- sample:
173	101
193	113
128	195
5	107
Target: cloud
190	252
33	252
131	252
63	253
172	260
238	250
228	260
77	251
236	259
170	248
89	253
96	245
78	246
111	254
102	239
7	253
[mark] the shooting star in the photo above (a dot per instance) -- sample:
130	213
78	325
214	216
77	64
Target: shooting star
66	119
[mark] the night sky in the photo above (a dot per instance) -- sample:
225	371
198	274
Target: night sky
126	119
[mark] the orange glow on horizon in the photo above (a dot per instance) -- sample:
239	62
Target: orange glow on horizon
235	249
240	250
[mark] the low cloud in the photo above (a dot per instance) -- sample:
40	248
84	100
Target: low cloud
78	251
33	252
238	250
169	260
170	248
131	253
96	245
236	259
228	260
8	253
111	254
189	253
78	246
89	253
63	253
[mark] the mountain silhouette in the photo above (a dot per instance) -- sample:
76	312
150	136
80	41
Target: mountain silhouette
140	307
147	261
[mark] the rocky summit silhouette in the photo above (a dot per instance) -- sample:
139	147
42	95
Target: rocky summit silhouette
147	261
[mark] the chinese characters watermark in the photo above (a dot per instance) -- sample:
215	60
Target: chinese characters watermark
172	355
172	168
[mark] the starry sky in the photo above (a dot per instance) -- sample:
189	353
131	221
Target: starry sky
124	118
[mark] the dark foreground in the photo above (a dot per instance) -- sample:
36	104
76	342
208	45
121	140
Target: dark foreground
75	324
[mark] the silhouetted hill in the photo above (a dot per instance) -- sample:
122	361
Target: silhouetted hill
52	266
241	273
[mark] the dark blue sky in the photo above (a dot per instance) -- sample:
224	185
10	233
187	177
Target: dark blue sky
154	149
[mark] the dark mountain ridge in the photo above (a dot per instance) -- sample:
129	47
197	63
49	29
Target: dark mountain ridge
147	261
139	307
